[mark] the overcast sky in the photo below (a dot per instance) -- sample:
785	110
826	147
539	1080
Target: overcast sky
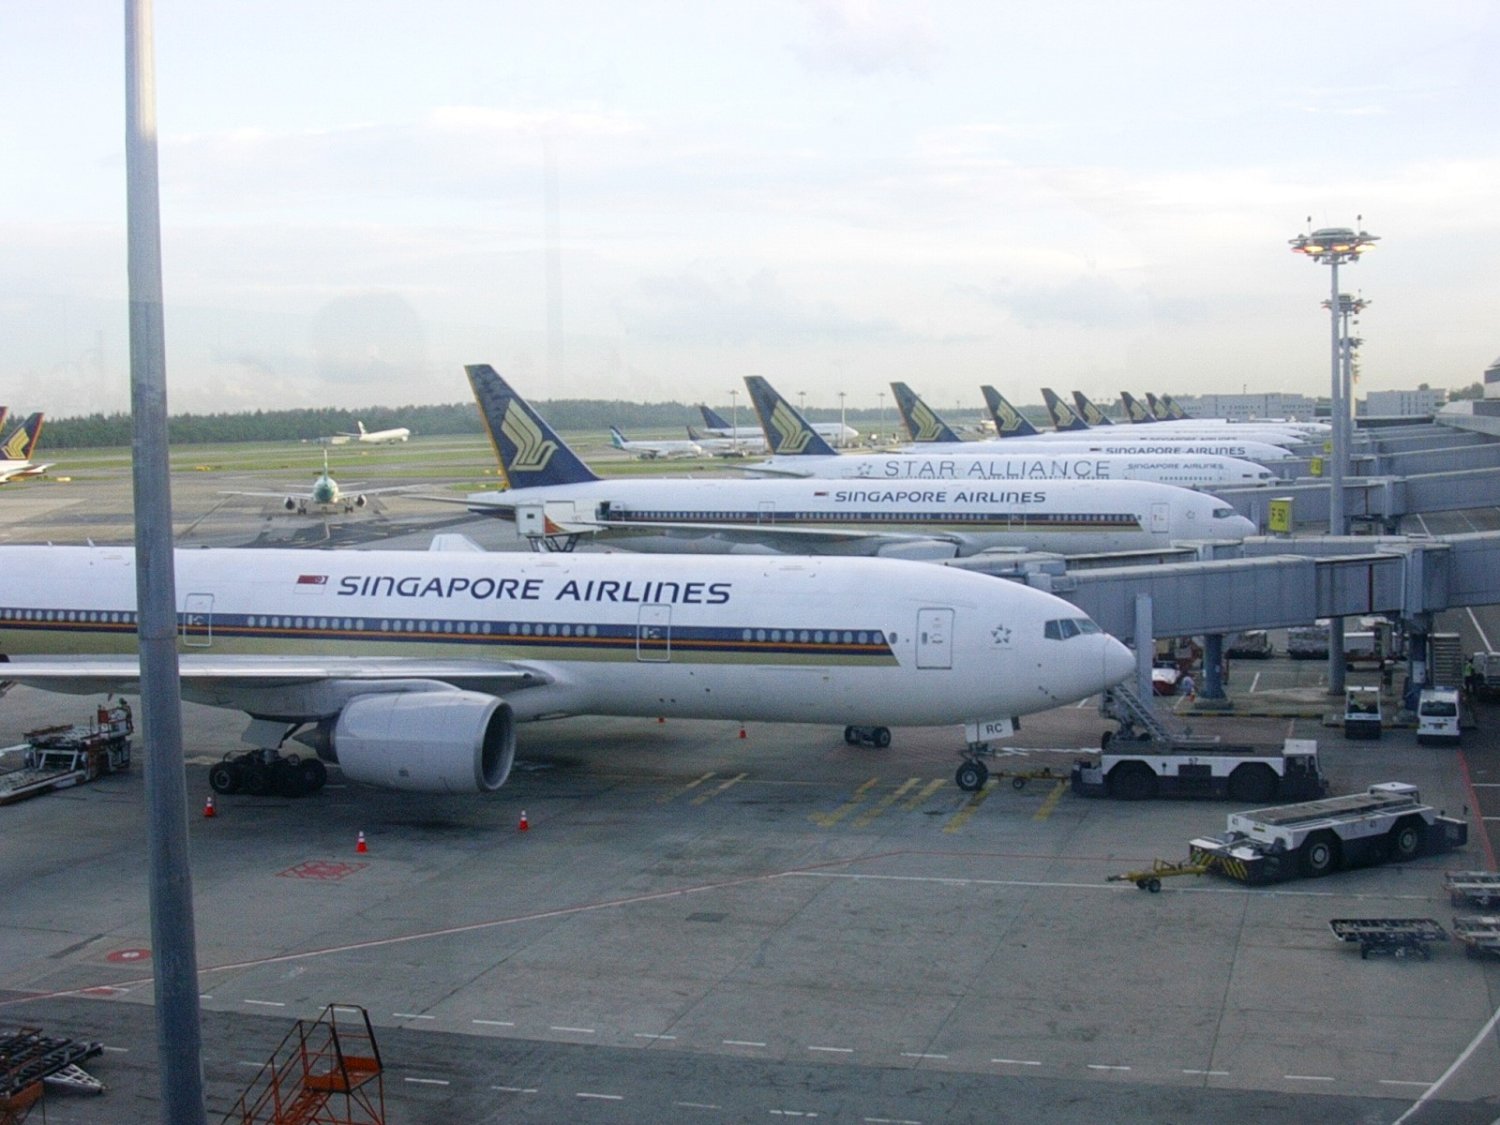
830	193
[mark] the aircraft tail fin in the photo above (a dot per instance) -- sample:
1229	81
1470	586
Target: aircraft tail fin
922	422
616	438
712	418
1089	412
787	432
1135	410
694	435
22	441
1173	411
1009	422
360	426
4	414
1156	406
1064	417
530	453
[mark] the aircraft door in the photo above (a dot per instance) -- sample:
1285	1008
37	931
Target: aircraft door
1161	523
934	638
198	620
653	634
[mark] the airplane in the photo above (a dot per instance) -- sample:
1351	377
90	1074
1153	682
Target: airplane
555	501
411	670
1278	433
1092	416
1117	440
324	497
977	460
1167	409
16	451
653	450
835	433
1248	443
376	437
729	446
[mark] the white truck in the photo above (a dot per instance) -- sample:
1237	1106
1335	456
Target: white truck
1437	716
1139	771
1387	822
1486	673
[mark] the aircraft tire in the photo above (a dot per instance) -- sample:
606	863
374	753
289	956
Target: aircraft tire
255	779
314	775
224	778
881	736
971	776
850	737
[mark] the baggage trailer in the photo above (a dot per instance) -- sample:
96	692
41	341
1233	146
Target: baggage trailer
1243	773
62	756
1398	937
1387	822
1480	933
1472	888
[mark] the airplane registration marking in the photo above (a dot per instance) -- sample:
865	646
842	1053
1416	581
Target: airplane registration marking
688	788
864	819
829	819
1050	804
711	794
970	807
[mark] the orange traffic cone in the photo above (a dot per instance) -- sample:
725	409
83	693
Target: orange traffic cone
661	718
525	825
742	732
360	846
208	807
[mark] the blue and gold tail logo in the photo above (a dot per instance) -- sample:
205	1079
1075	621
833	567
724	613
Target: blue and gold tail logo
791	435
1094	416
532	449
928	426
22	440
1010	421
1063	414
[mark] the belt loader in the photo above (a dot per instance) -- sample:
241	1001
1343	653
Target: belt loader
1315	838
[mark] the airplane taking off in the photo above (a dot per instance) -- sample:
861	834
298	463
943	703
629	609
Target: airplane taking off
375	437
654	450
975	460
17	449
325	497
835	433
555	500
412	669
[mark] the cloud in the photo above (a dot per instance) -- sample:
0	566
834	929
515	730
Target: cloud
1080	302
867	37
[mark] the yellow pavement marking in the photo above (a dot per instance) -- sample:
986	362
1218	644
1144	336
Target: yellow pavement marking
1051	802
712	793
688	788
884	803
921	798
828	820
971	806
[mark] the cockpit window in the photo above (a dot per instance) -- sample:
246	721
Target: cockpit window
1223	513
1060	629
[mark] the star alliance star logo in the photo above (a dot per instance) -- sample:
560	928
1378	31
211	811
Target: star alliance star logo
1000	636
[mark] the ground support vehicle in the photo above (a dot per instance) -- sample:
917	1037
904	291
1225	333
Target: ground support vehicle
28	1058
1480	933
1143	770
1315	838
1252	644
1150	880
1308	642
1486	673
62	756
1438	716
1397	937
1362	712
1472	888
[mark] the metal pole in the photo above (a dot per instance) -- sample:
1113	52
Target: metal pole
178	1034
1340	440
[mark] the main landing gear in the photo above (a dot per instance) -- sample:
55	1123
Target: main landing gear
972	775
261	773
878	737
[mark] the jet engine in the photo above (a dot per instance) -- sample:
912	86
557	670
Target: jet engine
290	503
429	741
359	501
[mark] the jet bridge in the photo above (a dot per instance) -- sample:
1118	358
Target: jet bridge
1376	500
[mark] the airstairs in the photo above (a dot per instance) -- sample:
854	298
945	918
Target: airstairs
326	1072
1141	722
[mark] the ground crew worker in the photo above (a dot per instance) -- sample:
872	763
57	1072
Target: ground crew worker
1189	688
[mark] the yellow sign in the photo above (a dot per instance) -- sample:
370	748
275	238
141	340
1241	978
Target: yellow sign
1315	466
1281	515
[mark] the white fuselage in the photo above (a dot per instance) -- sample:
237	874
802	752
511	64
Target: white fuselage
801	640
858	517
835	433
1187	470
1106	440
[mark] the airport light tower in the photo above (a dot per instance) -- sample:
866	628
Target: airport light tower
1332	247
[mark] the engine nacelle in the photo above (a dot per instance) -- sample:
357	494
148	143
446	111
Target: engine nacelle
429	741
290	503
360	501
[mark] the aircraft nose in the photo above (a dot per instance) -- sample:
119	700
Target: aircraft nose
1119	662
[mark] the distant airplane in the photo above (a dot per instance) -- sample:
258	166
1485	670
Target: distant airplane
555	500
377	437
325	497
17	449
412	670
835	433
1277	433
920	420
653	450
728	446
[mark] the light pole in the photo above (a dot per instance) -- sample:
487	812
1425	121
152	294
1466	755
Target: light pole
802	403
843	426
734	418
881	436
1333	246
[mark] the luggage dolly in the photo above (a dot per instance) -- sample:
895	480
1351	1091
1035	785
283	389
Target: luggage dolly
1480	933
1160	869
1399	937
974	774
1472	888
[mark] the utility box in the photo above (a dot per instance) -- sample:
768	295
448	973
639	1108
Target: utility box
1362	712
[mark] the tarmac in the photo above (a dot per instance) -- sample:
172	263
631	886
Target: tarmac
705	926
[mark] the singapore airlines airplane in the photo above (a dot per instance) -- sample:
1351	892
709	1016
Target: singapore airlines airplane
654	450
1017	434
412	669
325	496
977	461
1277	432
377	437
17	449
834	433
555	500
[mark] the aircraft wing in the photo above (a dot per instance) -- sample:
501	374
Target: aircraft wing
833	540
223	679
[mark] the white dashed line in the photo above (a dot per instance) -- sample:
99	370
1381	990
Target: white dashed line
515	1089
428	1081
1106	1066
1399	1082
791	1113
740	1043
1308	1077
890	1121
1017	1062
410	1016
920	1055
1214	1073
267	1003
696	1105
834	1050
575	1030
494	1023
649	1035
601	1097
